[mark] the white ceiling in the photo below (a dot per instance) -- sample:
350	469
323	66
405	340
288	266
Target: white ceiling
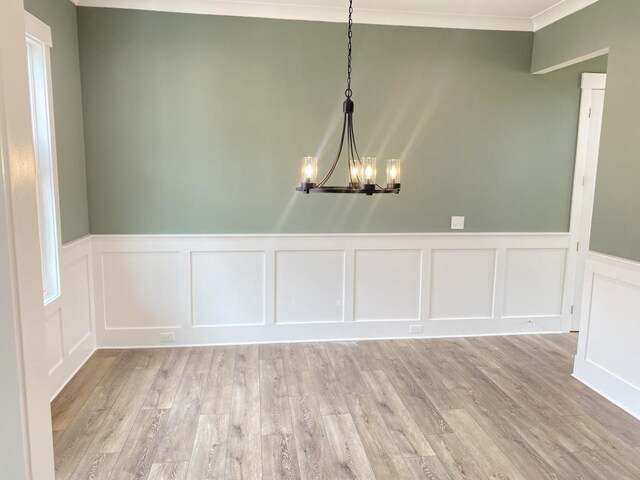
526	15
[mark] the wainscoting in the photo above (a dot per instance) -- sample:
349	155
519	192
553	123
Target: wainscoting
610	331
70	317
205	290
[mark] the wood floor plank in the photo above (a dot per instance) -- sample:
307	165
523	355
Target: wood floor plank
179	434
325	382
376	437
95	467
74	395
244	440
346	368
428	376
486	454
310	437
114	431
118	375
168	471
296	371
406	433
427	468
415	399
563	462
272	351
219	389
279	458
526	459
166	382
455	459
137	455
349	459
210	449
275	415
365	361
72	445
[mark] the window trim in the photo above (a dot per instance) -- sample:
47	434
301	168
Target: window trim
40	33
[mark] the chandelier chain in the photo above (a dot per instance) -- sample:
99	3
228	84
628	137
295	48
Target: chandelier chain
348	92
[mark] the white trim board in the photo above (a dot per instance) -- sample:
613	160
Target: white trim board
607	356
69	319
584	182
363	15
220	289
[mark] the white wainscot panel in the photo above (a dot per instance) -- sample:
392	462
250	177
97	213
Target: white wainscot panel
53	328
227	288
462	284
534	282
309	286
388	284
614	328
76	304
141	289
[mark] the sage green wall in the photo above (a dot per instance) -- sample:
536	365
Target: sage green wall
197	124
614	24
60	15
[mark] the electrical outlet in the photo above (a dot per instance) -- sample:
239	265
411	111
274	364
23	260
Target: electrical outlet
167	337
415	329
457	223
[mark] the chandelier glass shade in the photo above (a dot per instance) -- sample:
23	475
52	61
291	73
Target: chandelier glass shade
362	170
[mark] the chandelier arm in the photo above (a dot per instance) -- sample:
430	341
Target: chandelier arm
349	154
353	139
333	167
354	156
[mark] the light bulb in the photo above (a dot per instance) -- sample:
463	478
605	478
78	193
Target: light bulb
393	172
368	172
308	171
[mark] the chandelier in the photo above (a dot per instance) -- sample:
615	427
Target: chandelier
362	171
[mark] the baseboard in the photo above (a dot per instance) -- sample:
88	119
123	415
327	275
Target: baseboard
615	389
61	376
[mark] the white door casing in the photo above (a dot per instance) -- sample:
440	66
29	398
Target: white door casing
30	446
588	147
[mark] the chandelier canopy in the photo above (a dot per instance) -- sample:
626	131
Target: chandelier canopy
362	170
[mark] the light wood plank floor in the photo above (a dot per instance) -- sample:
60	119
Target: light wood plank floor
472	408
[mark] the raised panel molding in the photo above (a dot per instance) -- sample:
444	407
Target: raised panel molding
228	288
388	284
55	351
140	289
309	286
462	283
232	289
70	324
77	303
534	282
607	358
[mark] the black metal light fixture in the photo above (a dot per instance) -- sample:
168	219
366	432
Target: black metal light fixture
362	171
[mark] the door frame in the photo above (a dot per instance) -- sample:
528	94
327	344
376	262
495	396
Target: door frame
584	182
26	411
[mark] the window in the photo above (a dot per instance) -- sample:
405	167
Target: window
38	37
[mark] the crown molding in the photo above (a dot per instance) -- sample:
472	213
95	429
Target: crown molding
562	9
319	13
